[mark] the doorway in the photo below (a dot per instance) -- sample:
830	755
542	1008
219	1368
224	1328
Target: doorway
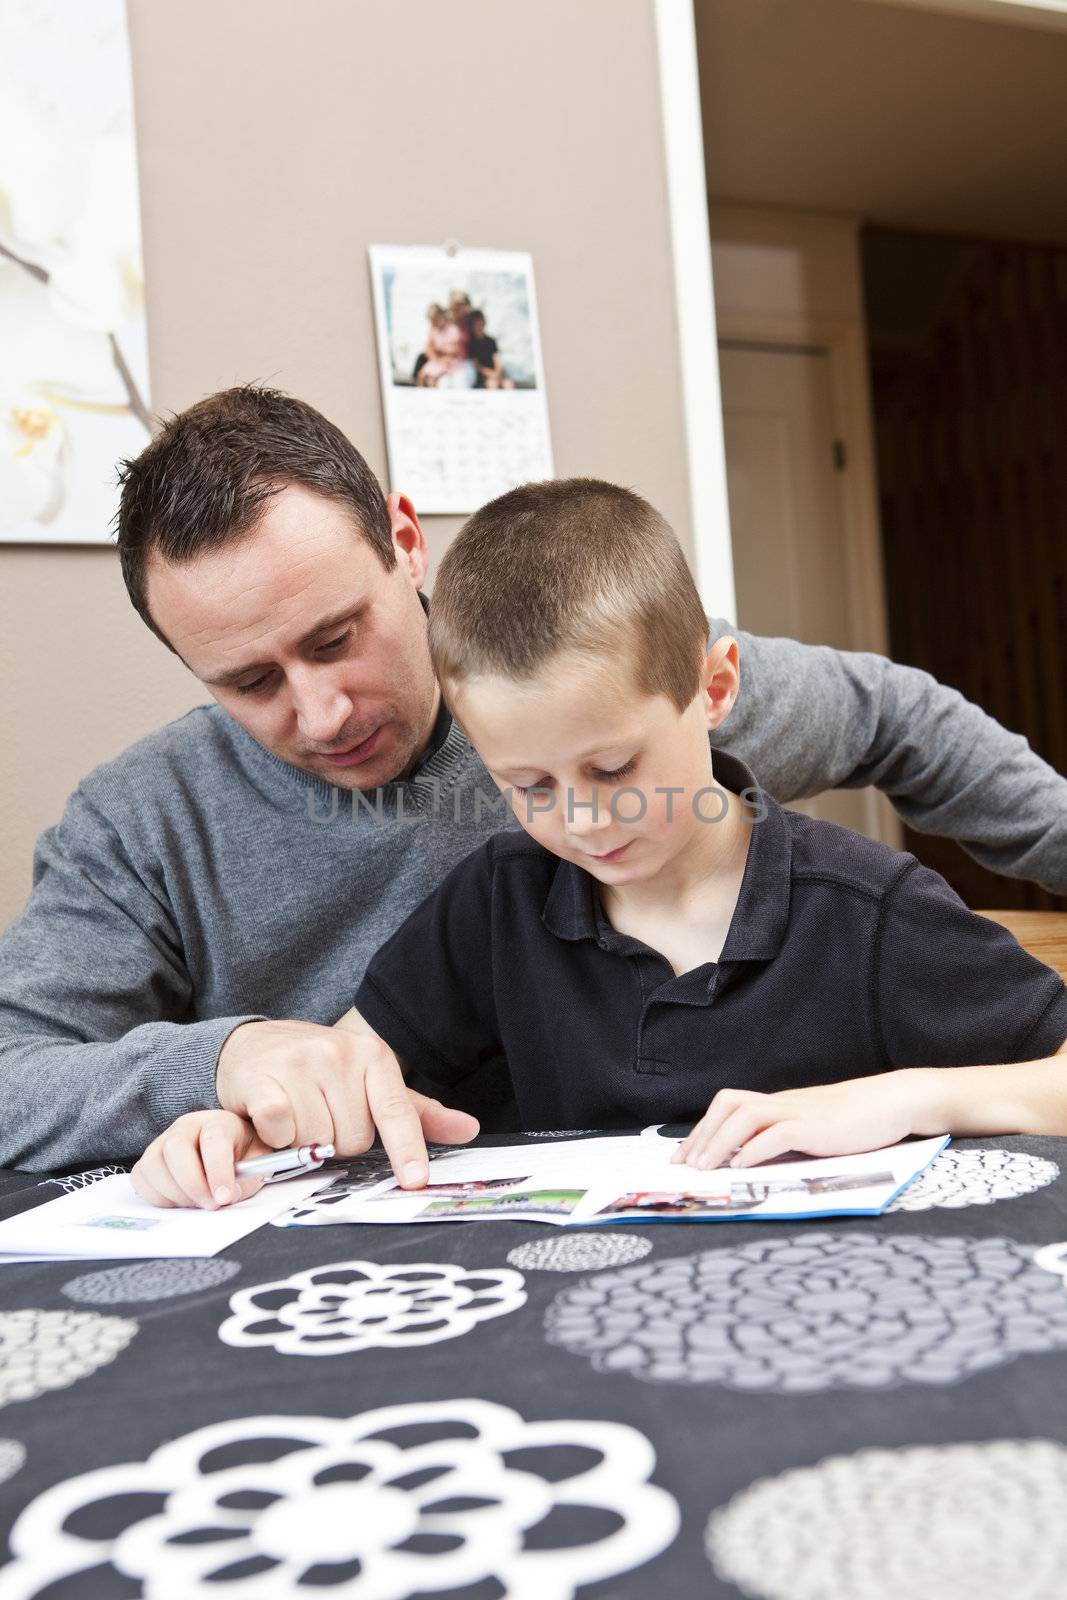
792	561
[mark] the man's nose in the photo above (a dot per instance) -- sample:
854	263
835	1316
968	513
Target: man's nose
322	706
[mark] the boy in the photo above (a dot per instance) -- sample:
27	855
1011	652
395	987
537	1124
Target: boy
662	942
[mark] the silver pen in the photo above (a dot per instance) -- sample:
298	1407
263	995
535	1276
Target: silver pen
285	1163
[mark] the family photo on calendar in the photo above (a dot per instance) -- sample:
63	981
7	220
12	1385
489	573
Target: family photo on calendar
453	329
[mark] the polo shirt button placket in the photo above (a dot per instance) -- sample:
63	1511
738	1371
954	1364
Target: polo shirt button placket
648	1066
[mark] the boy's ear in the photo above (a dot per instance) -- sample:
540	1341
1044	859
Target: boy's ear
720	680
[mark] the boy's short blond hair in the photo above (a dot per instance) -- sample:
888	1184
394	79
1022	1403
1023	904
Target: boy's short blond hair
571	564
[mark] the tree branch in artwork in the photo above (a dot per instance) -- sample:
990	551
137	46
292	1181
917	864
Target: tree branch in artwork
135	401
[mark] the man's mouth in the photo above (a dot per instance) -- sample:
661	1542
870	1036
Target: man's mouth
355	754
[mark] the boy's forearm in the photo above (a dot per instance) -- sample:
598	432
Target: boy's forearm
1021	1097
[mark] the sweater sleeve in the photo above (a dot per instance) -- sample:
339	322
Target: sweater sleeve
98	1049
809	718
429	990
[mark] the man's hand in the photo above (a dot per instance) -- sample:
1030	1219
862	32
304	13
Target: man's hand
298	1083
833	1119
192	1163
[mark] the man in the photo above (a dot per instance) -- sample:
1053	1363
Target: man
244	863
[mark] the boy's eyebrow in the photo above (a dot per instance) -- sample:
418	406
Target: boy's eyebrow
334	620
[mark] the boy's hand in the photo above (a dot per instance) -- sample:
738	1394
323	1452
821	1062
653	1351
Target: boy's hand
299	1083
192	1163
833	1119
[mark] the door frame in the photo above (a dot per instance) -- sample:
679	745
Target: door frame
674	26
843	340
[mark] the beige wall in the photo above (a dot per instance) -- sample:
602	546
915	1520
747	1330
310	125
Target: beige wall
277	140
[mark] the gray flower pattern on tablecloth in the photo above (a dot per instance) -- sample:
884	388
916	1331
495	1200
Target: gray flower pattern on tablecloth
817	1311
579	1252
150	1280
42	1350
960	1521
958	1178
448	1496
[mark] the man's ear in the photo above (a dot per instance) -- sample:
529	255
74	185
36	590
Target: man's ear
409	541
720	680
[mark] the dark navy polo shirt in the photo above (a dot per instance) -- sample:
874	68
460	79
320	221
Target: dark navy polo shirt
843	958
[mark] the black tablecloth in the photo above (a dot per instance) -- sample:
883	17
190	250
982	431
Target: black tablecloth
178	1429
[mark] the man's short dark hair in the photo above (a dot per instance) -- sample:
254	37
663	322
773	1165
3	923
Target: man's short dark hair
206	476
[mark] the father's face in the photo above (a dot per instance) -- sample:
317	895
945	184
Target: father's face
304	637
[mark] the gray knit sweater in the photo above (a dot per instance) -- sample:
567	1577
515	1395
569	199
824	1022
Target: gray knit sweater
197	881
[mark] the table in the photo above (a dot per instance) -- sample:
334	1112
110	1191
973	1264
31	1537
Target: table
862	1407
1043	933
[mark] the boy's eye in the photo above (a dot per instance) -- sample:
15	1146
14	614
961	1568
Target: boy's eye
615	776
619	773
531	788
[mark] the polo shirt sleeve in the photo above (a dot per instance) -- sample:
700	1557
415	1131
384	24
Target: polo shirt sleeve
954	989
428	992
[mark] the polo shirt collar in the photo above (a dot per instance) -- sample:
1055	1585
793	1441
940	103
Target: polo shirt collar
572	905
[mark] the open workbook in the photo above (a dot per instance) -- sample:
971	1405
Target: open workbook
609	1178
589	1180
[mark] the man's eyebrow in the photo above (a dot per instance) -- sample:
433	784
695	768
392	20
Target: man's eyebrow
224	679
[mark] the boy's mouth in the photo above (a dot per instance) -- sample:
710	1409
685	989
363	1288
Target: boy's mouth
614	855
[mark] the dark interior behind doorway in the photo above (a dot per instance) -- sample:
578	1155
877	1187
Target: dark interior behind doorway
968	349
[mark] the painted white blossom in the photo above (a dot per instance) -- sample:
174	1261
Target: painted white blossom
32	450
68	172
73	347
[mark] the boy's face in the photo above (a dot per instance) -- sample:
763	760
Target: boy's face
600	773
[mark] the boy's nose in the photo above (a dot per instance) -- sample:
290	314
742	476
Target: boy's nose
587	812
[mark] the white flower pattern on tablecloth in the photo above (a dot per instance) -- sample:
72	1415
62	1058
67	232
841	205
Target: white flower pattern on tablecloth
959	1178
12	1458
150	1280
1053	1258
362	1305
817	1311
409	1499
579	1252
81	1180
42	1350
960	1521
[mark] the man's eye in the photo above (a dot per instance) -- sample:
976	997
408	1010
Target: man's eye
257	683
335	644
